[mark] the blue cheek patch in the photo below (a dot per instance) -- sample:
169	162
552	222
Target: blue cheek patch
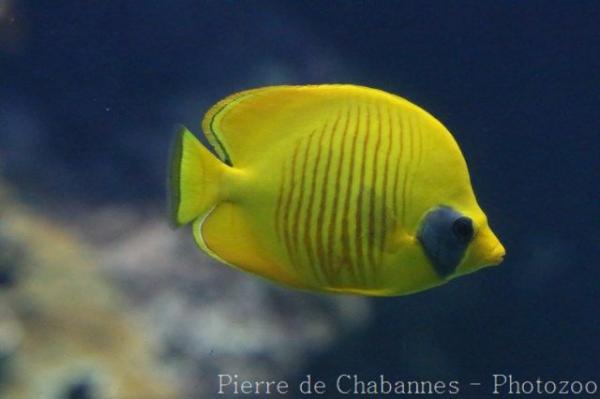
441	244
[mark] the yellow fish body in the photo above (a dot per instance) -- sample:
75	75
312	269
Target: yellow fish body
335	188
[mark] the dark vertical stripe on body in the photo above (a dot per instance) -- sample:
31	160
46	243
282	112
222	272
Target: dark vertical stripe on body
288	203
372	199
310	207
360	233
278	221
336	197
321	254
406	134
410	153
384	199
296	221
420	146
346	212
417	134
397	133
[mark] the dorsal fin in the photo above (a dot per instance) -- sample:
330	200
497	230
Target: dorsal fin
239	126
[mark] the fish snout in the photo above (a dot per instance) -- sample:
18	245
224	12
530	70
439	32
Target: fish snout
485	250
489	249
496	256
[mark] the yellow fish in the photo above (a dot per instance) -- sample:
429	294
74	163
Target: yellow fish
335	188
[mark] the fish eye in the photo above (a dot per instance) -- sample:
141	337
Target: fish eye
445	235
463	228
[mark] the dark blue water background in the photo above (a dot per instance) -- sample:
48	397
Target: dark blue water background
90	93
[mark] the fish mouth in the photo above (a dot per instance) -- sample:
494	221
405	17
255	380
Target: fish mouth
496	255
486	251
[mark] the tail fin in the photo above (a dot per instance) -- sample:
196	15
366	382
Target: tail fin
193	179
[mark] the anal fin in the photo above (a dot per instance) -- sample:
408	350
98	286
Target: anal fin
226	235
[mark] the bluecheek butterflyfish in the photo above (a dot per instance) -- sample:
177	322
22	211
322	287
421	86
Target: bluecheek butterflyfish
334	188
